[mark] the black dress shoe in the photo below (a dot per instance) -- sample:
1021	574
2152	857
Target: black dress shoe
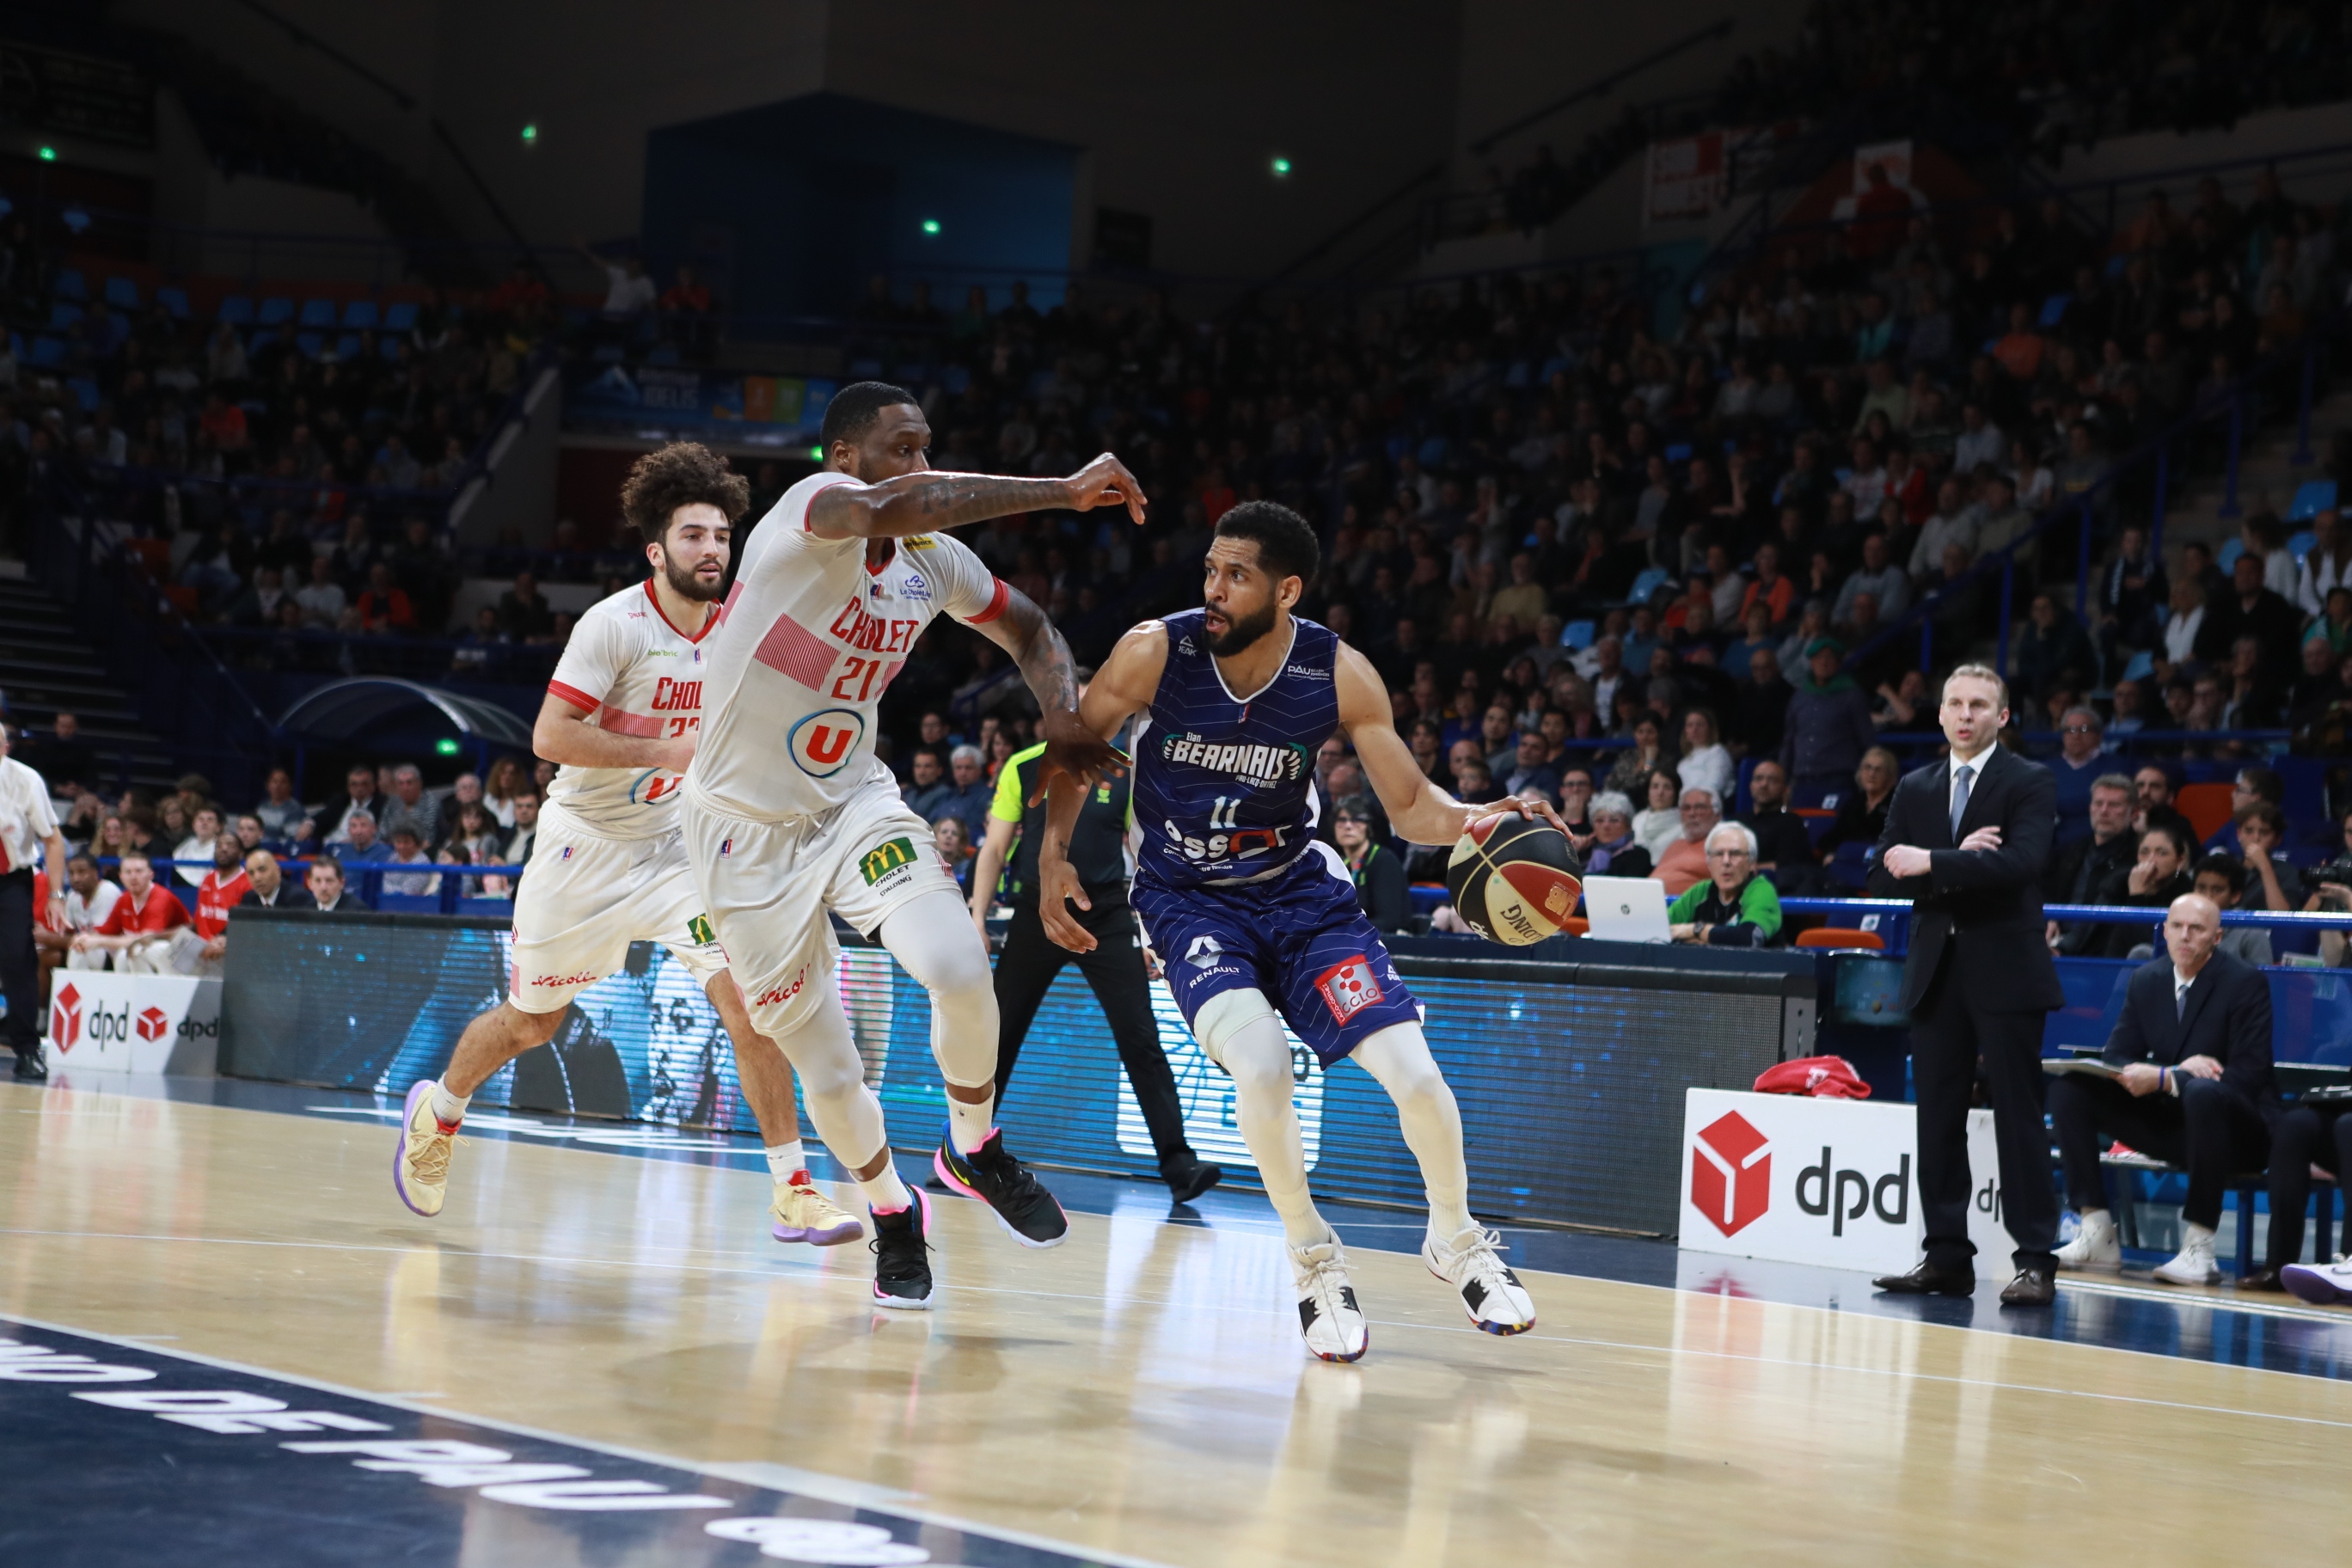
30	1071
2032	1287
1929	1280
1190	1182
2266	1278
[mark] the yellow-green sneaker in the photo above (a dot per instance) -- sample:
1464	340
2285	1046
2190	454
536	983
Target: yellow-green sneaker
803	1213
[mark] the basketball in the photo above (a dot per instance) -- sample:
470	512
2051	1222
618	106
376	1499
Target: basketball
1513	879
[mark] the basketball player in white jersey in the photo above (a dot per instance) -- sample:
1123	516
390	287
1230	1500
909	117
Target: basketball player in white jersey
608	868
790	818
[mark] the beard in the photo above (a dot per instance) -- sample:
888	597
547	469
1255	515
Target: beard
1240	635
683	580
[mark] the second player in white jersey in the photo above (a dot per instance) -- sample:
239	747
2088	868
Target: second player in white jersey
632	672
608	866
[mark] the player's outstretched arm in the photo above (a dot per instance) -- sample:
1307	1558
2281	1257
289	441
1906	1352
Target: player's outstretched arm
1418	811
1121	688
1044	659
932	499
567	734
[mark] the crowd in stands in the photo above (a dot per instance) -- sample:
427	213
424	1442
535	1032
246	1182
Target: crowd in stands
384	833
2046	82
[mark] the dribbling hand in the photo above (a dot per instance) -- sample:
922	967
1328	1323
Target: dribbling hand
1525	809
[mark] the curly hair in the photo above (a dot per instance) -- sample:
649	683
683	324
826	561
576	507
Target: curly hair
684	473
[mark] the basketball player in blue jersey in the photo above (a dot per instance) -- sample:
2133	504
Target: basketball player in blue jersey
1252	917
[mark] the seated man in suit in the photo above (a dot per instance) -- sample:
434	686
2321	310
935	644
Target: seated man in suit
269	889
2193	1053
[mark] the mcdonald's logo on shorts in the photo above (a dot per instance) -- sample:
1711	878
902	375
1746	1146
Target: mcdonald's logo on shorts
699	928
886	857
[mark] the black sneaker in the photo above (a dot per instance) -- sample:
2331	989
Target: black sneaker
1188	1181
30	1069
990	1172
902	1267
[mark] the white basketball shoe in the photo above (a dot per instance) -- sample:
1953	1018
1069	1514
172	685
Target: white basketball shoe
2095	1245
1327	1313
1472	1262
2193	1264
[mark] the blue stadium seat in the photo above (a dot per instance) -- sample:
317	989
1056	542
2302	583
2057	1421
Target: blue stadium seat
311	343
2140	666
359	315
399	316
2300	545
2311	498
1652	579
1433	453
2227	558
347	347
72	286
236	309
2054	309
48	351
275	312
1850	863
64	317
85	392
122	294
175	300
317	312
261	339
1578	634
1680	452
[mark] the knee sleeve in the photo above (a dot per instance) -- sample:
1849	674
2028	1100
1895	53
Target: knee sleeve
833	1082
1227	1013
933	941
1398	1056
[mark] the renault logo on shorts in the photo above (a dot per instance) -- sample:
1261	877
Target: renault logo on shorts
823	743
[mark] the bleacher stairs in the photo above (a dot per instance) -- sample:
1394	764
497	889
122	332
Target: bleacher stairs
46	667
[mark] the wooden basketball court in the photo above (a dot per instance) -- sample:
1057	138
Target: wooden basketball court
1138	1394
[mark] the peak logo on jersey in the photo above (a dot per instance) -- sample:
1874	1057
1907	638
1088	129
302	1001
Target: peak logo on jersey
1262	765
1348	988
884	859
698	930
1731	1174
823	743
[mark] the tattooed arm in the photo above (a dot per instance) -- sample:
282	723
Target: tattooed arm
930	500
1044	659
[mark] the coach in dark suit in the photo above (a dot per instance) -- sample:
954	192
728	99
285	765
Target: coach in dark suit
1969	841
2195	1088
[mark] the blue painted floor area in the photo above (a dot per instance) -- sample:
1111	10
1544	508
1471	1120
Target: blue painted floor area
2126	1312
231	1467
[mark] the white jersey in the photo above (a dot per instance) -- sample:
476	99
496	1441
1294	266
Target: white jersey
640	676
814	637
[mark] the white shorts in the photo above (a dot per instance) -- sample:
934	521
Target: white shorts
583	899
770	887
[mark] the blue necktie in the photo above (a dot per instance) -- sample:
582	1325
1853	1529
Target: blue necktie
1959	797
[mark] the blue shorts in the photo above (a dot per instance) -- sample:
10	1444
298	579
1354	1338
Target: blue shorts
1300	937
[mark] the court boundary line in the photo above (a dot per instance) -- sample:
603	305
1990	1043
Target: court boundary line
768	1476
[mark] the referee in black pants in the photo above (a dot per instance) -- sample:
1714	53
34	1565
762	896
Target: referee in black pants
28	837
1967	841
1114	968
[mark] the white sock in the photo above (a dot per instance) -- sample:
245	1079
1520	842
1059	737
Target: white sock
969	1124
785	1161
886	1193
450	1109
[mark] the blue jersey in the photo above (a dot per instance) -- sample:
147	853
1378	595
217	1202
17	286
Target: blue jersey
1225	784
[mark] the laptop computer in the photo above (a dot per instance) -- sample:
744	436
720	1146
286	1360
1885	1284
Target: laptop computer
1626	909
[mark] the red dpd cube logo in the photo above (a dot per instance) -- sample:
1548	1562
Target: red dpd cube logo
65	1017
154	1024
1731	1174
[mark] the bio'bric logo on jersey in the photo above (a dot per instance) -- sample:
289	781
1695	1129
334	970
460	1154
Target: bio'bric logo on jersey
823	743
1256	764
